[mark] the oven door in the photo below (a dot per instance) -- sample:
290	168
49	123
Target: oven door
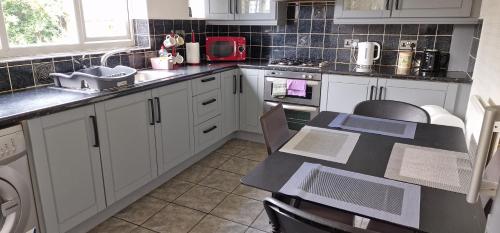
297	116
312	98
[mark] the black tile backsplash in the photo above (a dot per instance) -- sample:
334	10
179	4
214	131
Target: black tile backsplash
473	50
310	32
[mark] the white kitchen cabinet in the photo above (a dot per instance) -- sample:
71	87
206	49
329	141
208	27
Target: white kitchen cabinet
345	92
174	128
248	12
127	132
230	102
251	88
207	134
207	106
67	167
432	8
219	9
419	92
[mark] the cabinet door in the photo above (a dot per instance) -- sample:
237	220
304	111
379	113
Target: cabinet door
174	128
419	92
219	9
255	9
251	99
126	129
432	8
230	102
363	8
68	168
345	92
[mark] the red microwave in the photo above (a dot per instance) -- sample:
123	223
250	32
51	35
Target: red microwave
226	48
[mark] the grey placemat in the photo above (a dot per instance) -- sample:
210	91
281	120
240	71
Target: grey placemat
436	168
370	196
394	128
321	143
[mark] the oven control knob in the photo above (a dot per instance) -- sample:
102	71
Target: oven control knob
304	76
309	76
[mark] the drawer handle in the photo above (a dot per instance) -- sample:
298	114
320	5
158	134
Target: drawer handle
208	79
210	130
208	102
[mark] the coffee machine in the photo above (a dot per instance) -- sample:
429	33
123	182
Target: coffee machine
366	56
434	62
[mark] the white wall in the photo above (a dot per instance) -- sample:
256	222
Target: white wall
487	71
168	9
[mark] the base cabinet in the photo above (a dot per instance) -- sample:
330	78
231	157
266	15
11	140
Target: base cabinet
230	102
174	128
67	167
251	99
127	133
345	92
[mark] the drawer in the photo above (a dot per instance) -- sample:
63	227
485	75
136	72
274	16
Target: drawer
207	133
206	106
205	84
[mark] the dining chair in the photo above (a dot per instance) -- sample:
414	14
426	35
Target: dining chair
288	219
275	128
390	109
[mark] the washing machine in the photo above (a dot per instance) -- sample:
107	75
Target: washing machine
17	205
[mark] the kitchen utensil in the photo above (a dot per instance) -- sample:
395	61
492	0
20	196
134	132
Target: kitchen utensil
170	41
366	52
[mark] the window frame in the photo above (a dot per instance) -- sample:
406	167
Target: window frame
82	43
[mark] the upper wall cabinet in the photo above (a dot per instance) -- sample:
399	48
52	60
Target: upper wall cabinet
406	11
250	12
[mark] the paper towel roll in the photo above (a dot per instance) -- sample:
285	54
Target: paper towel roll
193	53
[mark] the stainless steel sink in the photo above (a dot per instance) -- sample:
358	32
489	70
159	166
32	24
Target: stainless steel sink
152	75
96	78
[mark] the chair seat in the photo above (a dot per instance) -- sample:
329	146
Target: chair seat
328	213
383	227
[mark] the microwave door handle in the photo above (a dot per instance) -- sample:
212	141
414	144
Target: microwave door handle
235	48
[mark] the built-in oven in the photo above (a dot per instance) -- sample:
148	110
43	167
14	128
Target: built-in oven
300	108
297	116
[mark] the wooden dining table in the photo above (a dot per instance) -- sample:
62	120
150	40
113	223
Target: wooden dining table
441	211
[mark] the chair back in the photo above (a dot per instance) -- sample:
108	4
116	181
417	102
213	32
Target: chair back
390	109
275	128
287	219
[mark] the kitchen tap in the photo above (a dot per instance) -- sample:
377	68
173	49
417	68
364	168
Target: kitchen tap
106	56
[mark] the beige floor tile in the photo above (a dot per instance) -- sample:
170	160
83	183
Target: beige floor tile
113	225
171	190
201	198
222	180
194	174
142	230
212	224
238	209
250	192
262	222
174	219
214	160
237	143
253	154
253	230
255	145
239	165
139	211
229	149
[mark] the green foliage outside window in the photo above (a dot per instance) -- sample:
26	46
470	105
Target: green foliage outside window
34	21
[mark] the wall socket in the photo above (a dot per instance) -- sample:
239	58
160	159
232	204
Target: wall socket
407	44
351	43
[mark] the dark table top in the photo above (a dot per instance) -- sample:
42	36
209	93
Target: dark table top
440	210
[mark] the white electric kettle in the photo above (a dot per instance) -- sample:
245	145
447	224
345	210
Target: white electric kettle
366	53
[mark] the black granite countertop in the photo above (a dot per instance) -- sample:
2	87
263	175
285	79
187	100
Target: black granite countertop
36	102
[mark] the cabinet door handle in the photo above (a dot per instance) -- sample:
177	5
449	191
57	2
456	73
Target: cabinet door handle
371	92
397	5
380	94
158	108
234	84
388	5
93	119
241	83
236	7
210	130
208	79
152	112
208	102
231	6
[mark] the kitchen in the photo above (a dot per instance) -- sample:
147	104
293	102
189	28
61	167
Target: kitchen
151	117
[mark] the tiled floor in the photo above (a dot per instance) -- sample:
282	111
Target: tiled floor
205	198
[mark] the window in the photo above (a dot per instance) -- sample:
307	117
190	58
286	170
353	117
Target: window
34	27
